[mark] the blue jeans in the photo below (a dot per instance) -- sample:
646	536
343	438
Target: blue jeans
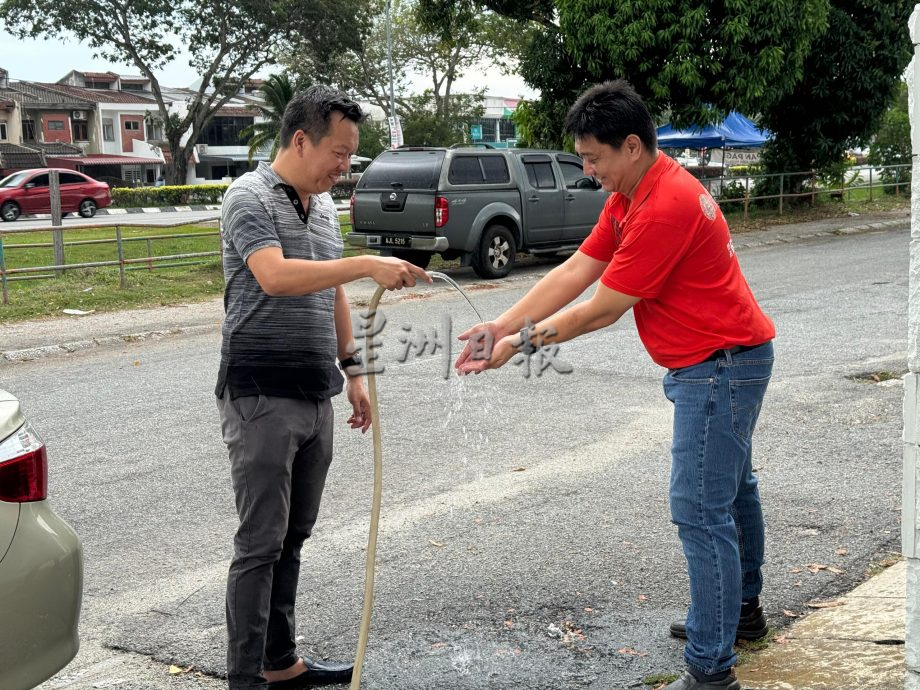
713	494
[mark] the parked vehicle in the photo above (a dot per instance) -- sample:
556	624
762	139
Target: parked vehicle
41	561
480	205
28	192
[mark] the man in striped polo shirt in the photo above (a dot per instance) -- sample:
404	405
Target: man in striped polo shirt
287	321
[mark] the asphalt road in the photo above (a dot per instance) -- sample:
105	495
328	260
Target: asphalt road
525	539
72	220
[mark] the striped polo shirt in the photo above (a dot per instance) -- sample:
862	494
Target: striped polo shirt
281	346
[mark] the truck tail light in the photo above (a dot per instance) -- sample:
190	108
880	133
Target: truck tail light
351	211
23	467
441	212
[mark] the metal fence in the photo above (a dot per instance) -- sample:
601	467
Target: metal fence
739	186
148	262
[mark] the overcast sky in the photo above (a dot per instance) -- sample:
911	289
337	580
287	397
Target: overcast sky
48	61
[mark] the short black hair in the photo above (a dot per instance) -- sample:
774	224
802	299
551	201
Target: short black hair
610	112
311	110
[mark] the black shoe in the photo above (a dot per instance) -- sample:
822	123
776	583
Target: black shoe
317	673
752	625
688	682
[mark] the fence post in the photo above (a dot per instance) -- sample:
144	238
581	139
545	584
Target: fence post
870	184
6	297
149	256
54	184
781	194
121	258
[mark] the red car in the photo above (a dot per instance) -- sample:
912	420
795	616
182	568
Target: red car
28	191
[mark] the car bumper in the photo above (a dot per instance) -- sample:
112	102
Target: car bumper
41	589
378	241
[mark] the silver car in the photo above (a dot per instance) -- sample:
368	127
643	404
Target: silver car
41	561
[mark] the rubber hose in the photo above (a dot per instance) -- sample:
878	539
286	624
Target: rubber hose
375	503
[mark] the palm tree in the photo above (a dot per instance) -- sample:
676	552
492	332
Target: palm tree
277	91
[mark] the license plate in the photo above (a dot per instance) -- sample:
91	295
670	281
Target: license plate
396	241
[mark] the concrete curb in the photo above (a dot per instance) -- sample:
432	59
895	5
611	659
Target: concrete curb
32	353
855	641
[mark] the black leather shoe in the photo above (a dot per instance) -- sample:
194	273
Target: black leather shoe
317	673
752	624
688	682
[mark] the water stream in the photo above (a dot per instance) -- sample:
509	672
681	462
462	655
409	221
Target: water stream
452	282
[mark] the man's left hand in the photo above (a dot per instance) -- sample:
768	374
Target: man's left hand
360	404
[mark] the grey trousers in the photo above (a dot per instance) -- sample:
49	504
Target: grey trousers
280	451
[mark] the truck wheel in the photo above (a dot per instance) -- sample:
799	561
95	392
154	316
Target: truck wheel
495	255
419	258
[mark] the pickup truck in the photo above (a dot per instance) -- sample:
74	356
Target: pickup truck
481	206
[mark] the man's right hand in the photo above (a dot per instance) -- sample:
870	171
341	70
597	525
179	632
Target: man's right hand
474	362
394	274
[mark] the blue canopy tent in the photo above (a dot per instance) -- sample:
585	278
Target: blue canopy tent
736	131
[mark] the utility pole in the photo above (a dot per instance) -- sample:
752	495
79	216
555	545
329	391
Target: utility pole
395	129
910	505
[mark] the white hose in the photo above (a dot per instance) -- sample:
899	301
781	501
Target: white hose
375	504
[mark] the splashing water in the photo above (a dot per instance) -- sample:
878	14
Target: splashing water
453	283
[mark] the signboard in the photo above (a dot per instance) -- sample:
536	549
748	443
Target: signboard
732	157
476	132
396	135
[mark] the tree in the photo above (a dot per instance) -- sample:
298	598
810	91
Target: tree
229	42
891	145
460	41
697	59
373	137
277	92
849	78
428	127
362	69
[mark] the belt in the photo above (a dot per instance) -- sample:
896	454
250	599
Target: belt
723	352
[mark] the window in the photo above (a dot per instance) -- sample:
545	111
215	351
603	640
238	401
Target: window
132	125
3	134
495	169
92	84
506	130
55	125
153	130
131	87
478	170
465	170
70	178
406	169
80	131
39	180
108	130
572	172
540	174
28	130
225	131
489	127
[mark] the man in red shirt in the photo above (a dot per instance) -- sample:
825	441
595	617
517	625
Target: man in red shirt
662	248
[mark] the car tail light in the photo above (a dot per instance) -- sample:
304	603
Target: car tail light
441	212
351	211
23	467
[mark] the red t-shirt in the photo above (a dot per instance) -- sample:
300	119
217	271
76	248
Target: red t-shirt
670	246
